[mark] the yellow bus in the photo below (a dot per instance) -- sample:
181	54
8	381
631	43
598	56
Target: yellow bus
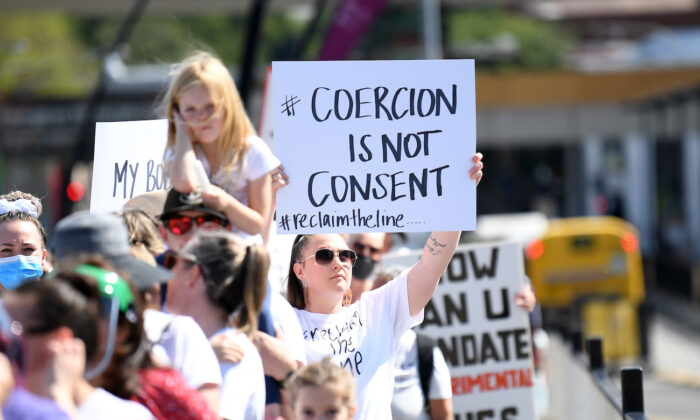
587	274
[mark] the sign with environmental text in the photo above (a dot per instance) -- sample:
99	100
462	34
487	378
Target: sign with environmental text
375	146
484	336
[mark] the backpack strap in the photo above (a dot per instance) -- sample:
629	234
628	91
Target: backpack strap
425	364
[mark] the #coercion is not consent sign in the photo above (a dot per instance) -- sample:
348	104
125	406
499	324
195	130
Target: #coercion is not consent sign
375	146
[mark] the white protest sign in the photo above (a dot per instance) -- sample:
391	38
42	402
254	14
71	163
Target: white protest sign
128	162
483	335
375	146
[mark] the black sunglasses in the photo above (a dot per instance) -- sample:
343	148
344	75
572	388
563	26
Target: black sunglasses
324	256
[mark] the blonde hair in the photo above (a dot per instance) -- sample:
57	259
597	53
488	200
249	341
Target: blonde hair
203	69
143	229
323	374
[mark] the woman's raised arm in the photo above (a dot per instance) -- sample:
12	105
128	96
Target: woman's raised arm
437	253
423	277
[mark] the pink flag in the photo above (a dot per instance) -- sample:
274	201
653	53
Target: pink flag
350	23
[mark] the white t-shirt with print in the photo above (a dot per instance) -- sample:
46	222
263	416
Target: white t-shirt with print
361	338
101	405
255	162
408	402
243	387
180	343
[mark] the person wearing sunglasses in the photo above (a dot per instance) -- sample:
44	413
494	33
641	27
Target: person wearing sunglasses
369	248
178	342
184	214
221	282
361	337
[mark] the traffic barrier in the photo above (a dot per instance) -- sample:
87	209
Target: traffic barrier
581	387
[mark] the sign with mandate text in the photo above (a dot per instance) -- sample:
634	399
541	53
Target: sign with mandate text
375	146
128	162
483	335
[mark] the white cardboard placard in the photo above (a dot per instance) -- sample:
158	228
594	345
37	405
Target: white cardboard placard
483	335
375	145
128	162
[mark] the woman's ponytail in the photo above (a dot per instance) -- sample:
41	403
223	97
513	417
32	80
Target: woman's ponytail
235	275
254	270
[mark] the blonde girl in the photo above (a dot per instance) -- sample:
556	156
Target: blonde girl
208	122
322	391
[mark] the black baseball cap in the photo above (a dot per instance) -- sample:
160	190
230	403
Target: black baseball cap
177	201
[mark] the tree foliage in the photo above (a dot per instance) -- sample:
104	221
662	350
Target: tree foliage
539	45
51	54
40	55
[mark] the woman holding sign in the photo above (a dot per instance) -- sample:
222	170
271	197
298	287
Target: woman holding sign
208	123
361	337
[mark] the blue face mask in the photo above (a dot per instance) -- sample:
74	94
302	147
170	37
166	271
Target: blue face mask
17	269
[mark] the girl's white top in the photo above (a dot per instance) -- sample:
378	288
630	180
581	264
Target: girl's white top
256	161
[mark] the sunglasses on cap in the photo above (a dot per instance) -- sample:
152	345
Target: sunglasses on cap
179	225
324	256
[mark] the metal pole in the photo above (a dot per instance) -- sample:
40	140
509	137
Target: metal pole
257	10
632	390
85	146
576	337
594	348
296	52
432	29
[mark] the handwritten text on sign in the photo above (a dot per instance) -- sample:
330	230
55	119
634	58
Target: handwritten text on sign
375	146
483	335
128	162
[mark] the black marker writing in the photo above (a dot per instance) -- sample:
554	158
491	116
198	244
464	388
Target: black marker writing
344	104
121	176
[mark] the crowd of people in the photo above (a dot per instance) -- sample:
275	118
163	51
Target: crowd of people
165	311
